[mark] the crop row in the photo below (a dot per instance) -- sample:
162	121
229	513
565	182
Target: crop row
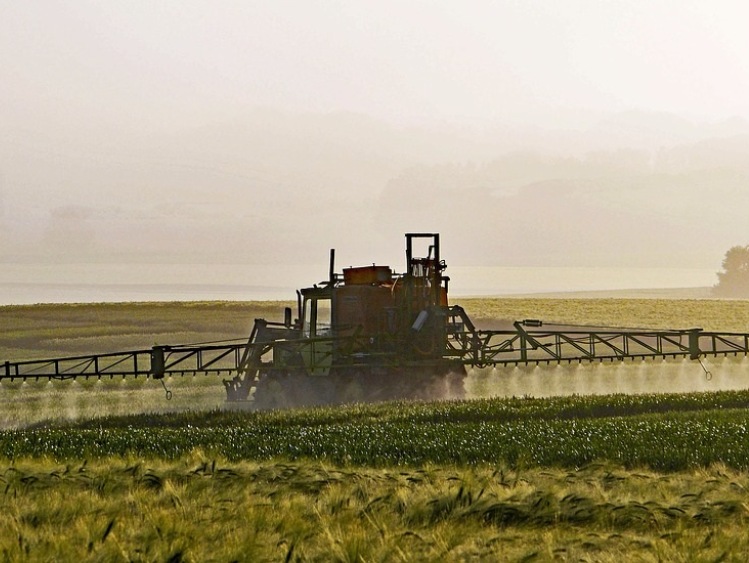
664	442
493	410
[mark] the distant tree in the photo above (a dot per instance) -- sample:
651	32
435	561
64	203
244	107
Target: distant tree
733	281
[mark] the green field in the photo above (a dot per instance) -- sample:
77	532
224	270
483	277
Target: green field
28	331
109	470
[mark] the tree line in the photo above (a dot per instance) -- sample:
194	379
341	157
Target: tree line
733	280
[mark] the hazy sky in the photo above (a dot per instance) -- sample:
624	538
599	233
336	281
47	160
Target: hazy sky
193	125
159	63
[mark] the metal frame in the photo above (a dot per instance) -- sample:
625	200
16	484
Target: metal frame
157	362
465	345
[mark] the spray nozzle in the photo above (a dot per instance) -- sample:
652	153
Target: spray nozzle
168	392
708	373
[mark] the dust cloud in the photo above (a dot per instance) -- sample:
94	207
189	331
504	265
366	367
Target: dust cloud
604	378
37	403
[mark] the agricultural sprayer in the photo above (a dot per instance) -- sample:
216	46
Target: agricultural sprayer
370	334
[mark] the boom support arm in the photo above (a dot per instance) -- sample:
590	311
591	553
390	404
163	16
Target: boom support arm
532	342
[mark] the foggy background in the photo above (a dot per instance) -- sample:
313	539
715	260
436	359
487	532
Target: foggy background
564	133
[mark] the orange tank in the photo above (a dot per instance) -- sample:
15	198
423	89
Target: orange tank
367	275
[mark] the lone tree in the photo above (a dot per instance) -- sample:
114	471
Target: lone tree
733	281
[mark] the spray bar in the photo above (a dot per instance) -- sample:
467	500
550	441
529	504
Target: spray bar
527	344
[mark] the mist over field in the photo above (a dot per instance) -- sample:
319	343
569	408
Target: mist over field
532	134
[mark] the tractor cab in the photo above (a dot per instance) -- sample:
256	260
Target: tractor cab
369	313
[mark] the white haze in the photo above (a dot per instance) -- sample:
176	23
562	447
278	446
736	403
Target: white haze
537	133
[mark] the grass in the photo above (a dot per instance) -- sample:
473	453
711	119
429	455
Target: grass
710	314
40	331
207	509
